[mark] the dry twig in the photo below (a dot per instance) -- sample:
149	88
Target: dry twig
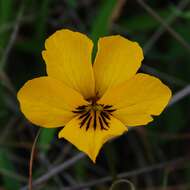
32	159
153	13
159	166
54	171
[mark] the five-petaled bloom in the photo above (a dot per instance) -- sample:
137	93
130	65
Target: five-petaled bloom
92	103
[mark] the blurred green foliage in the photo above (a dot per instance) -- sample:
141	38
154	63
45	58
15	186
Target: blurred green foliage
7	165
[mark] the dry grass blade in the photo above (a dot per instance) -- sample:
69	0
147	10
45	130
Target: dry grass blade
12	37
179	38
180	95
120	181
173	163
156	35
32	159
57	169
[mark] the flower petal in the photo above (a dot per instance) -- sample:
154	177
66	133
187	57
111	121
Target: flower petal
137	99
117	60
68	58
48	102
90	141
131	119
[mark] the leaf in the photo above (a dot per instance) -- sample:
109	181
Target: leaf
45	139
72	3
41	23
100	25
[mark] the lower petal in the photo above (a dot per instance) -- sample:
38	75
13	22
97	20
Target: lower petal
90	141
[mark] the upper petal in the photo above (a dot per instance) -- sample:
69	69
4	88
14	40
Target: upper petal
48	102
90	141
68	58
137	99
117	60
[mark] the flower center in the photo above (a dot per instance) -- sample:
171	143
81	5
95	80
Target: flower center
94	114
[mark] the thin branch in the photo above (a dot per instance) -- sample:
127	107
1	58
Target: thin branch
32	159
154	38
12	37
120	181
140	155
156	35
117	10
4	79
159	166
169	78
171	187
7	129
8	26
44	161
164	24
54	171
180	95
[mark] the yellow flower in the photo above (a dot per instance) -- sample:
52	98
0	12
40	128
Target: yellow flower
93	103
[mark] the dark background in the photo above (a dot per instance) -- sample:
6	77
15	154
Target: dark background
155	157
